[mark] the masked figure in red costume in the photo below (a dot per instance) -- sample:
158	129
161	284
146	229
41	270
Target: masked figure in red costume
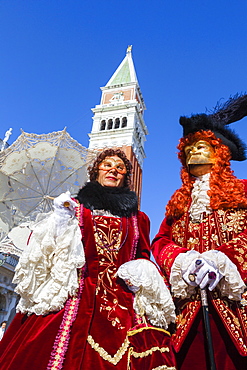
202	242
90	297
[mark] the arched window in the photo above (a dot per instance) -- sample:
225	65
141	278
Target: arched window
102	125
138	134
117	123
110	124
124	122
2	302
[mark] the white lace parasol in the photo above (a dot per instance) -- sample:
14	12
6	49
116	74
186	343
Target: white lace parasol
33	169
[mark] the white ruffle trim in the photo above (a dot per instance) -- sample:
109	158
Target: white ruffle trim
179	287
152	296
200	201
47	270
231	285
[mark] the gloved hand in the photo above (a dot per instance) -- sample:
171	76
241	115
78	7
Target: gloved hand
63	204
64	209
202	273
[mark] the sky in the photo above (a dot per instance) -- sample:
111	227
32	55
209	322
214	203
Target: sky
188	55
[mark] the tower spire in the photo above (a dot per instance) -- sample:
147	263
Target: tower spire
118	119
125	73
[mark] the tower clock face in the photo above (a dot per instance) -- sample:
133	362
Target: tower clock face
118	96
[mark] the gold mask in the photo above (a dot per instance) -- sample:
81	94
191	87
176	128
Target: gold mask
200	152
110	163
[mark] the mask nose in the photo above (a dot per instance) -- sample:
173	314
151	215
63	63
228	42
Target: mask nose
113	170
194	149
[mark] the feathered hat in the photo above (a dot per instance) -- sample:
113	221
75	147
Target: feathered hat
231	111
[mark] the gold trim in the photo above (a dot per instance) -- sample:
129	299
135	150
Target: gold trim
102	352
164	367
133	332
148	352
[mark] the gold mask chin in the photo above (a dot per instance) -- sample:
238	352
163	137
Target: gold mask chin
200	152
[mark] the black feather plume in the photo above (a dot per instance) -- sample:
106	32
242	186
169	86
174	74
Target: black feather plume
231	111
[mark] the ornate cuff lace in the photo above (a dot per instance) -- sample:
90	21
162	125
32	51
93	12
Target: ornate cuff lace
152	297
47	270
179	287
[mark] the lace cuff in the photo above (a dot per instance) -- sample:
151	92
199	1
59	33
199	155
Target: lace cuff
179	287
231	285
47	270
152	296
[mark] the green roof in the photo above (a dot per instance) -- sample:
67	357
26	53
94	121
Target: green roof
123	75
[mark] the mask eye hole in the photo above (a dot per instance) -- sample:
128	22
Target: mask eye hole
107	164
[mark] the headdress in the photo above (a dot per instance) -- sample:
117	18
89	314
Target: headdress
231	111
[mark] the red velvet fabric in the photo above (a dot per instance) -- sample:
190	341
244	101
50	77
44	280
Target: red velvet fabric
225	231
145	341
29	341
193	354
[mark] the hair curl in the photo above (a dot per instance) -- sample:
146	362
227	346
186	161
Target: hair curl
226	191
93	170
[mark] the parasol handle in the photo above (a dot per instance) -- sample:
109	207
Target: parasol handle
66	204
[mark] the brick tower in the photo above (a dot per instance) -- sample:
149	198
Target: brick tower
118	119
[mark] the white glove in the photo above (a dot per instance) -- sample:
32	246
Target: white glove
64	209
63	204
203	274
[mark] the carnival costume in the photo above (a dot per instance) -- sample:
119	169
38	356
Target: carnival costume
77	310
212	236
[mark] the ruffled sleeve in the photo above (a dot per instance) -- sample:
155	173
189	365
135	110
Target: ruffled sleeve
152	297
47	270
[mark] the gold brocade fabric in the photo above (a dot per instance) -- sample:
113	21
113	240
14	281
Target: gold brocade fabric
114	311
220	228
107	233
215	229
108	236
113	308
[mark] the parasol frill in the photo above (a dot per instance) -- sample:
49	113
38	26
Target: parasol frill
34	169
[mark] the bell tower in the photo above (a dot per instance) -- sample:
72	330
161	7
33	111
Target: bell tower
118	119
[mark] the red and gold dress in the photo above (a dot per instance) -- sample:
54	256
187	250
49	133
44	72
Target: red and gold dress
224	231
97	328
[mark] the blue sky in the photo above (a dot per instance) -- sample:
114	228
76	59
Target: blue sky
56	54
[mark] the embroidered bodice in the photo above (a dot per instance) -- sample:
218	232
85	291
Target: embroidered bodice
108	238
